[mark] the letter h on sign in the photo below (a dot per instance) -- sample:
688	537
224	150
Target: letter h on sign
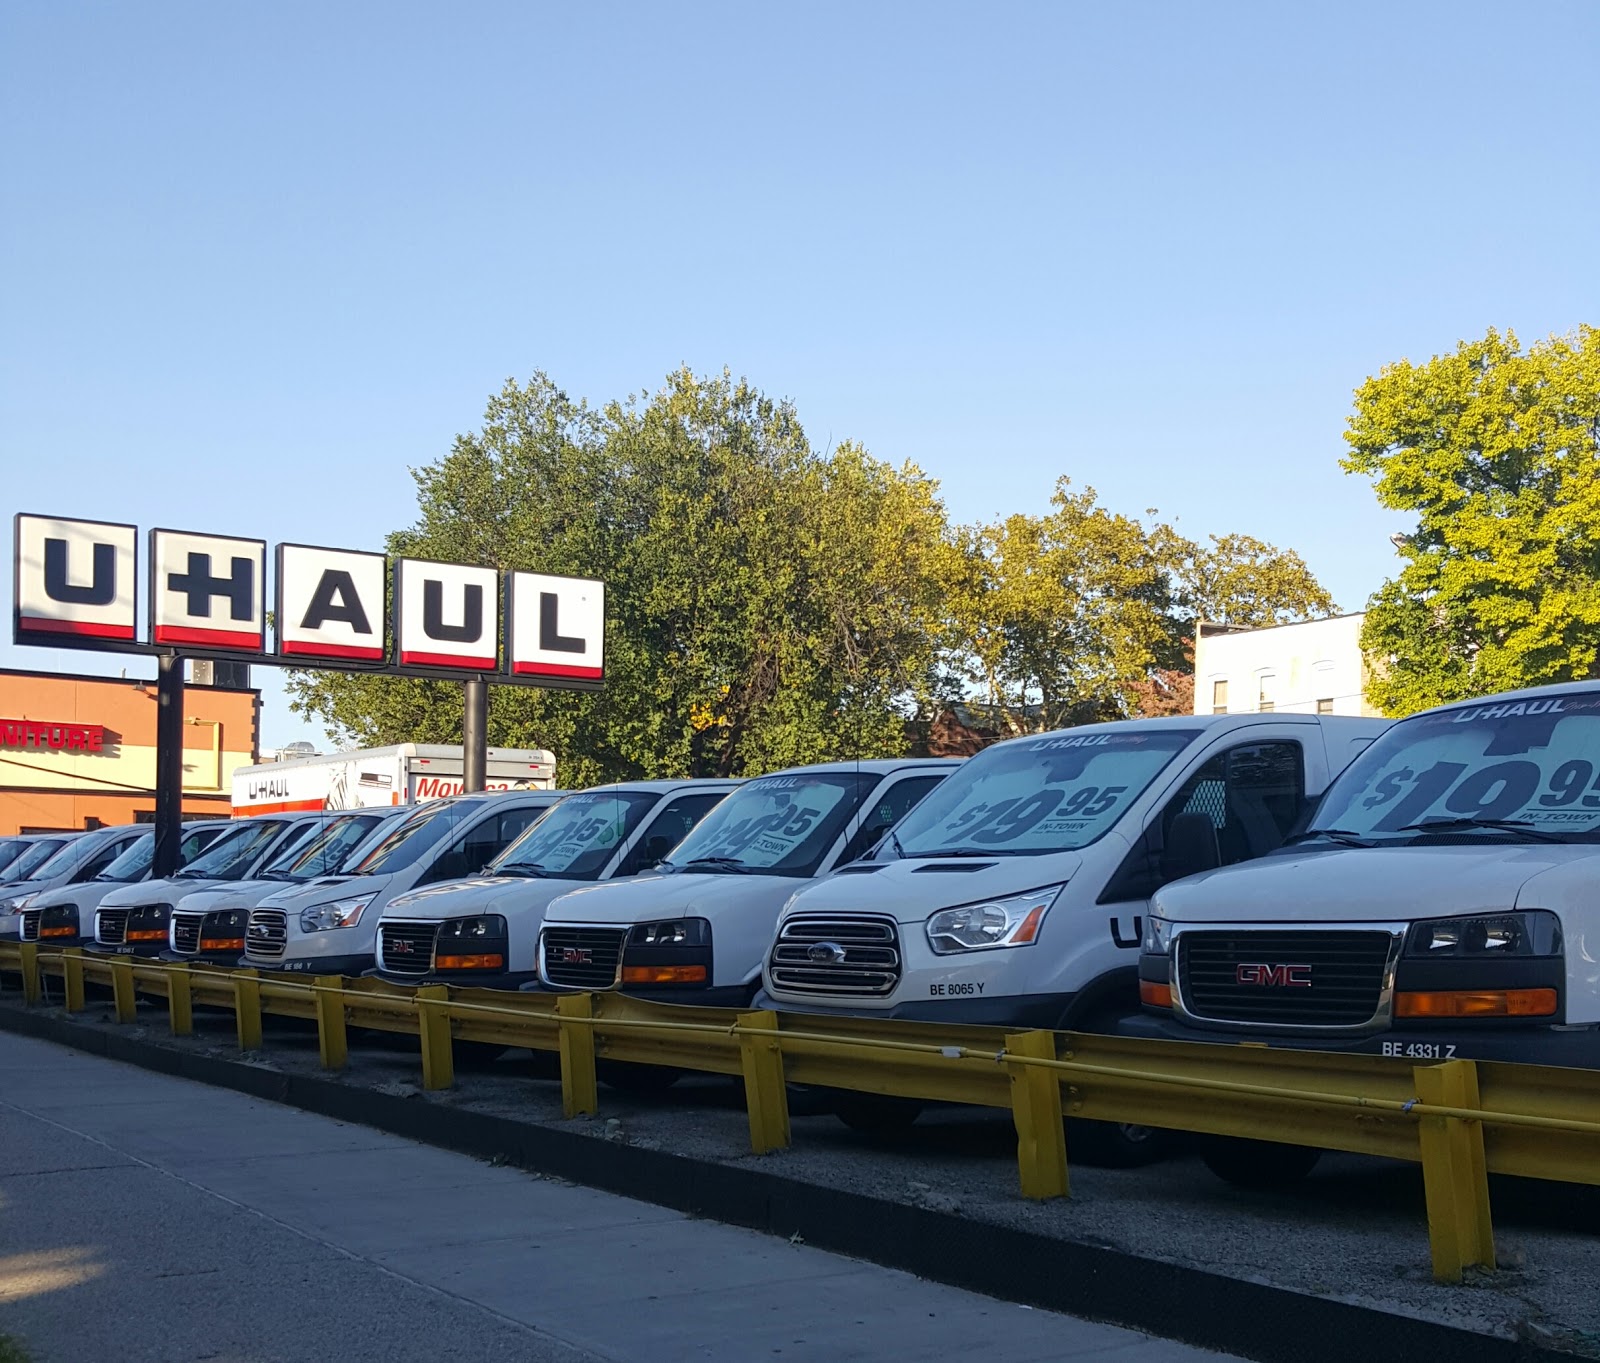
208	591
446	615
76	581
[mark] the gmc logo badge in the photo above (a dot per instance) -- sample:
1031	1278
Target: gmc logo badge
1273	976
576	956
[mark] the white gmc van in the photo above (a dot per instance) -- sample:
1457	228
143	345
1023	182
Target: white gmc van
698	932
55	861
484	931
1443	902
330	925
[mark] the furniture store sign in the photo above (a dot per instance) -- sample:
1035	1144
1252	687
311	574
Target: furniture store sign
78	584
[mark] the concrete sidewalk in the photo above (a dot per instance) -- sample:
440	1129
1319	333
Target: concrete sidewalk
144	1217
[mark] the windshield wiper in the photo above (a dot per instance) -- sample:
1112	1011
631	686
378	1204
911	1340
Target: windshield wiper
531	869
1463	825
894	842
1343	836
986	852
731	865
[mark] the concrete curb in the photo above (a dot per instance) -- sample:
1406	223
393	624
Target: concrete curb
1257	1320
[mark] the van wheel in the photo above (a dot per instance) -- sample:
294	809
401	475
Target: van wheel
1258	1165
627	1077
476	1055
1115	1145
876	1114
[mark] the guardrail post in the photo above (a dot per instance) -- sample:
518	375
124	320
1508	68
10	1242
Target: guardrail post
180	1000
433	1026
72	978
330	1021
766	1097
1036	1110
580	1090
1454	1175
122	996
247	1008
29	953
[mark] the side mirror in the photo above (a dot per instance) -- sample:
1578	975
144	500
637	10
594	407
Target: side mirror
1191	847
656	848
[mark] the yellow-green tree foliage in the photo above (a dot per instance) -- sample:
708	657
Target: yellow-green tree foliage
1496	450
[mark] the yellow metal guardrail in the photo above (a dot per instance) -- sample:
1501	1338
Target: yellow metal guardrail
1460	1119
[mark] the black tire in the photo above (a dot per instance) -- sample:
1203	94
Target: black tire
1258	1165
476	1055
876	1114
1115	1145
626	1077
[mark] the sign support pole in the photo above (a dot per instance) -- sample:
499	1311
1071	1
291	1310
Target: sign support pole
474	734
169	763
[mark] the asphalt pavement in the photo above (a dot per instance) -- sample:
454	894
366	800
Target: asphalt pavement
147	1217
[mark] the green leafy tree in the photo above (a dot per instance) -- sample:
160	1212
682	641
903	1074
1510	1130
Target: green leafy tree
1496	450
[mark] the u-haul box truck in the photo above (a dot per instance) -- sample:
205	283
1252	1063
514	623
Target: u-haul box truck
407	773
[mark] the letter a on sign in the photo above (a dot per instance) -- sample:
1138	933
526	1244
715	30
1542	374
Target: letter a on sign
330	603
208	591
557	627
446	615
76	581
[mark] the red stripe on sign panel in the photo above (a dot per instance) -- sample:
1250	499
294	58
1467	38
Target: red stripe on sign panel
87	629
215	638
282	807
329	650
557	670
446	660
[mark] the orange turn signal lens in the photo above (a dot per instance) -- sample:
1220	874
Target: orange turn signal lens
1477	1003
58	932
1028	929
1156	995
148	935
663	974
487	961
222	944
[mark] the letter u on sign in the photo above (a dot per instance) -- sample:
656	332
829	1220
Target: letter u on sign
76	581
446	615
556	627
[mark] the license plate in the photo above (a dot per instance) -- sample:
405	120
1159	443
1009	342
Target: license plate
124	951
1419	1050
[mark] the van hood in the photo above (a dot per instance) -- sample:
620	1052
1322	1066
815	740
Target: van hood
85	894
687	894
1361	884
238	894
324	890
486	894
163	891
910	890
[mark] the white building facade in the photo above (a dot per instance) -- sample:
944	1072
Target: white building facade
1312	667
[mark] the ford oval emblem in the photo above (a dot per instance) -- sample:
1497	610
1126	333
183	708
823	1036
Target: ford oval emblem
825	953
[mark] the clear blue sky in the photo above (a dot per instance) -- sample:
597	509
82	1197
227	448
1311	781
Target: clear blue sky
262	258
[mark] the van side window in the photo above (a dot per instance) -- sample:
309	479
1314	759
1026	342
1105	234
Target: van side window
1251	794
479	845
101	859
670	827
889	808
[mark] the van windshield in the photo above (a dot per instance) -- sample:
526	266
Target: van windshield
575	840
1527	770
132	865
776	825
414	835
232	855
1033	796
10	850
326	851
46	859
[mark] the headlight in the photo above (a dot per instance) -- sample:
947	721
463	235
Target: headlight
1533	932
224	930
1012	922
1157	936
18	904
673	932
146	923
458	930
342	913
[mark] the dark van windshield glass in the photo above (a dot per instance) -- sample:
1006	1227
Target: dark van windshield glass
1526	770
775	825
411	838
133	864
326	851
1032	796
232	855
46	859
575	840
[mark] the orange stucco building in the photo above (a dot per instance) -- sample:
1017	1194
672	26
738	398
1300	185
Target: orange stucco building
80	752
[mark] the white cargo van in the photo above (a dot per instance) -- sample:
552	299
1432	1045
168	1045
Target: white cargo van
485	931
1442	903
66	859
64	917
329	925
210	924
697	933
134	920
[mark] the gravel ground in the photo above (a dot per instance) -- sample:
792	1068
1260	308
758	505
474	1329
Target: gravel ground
1355	1230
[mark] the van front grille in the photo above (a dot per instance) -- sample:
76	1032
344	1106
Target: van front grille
1285	979
268	934
405	947
581	958
837	954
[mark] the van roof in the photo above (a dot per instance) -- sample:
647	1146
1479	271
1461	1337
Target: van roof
1192	722
873	766
1525	693
666	786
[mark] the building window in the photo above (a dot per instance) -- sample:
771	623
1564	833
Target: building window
1325	707
1219	697
1266	701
